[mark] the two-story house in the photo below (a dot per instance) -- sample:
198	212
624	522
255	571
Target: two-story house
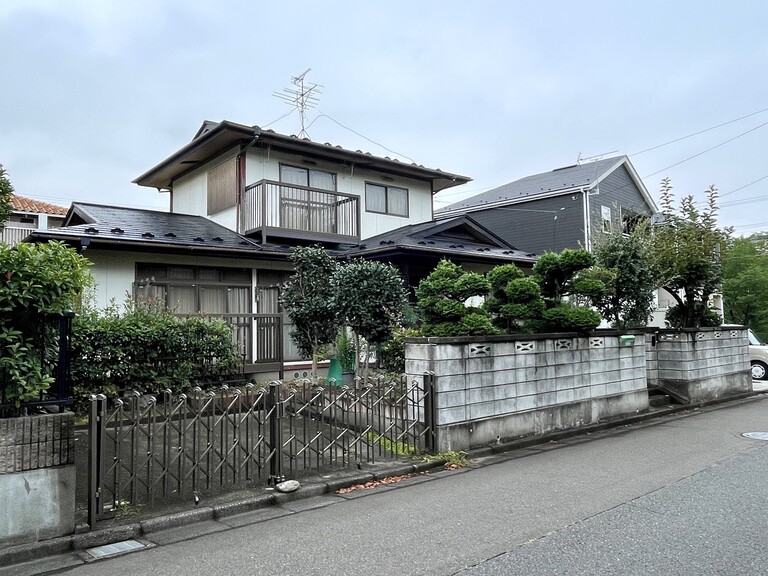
28	214
241	199
570	207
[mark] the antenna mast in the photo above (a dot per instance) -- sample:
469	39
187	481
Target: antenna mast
303	95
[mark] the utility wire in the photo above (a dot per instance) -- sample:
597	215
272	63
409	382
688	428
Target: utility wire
697	133
291	111
323	115
707	150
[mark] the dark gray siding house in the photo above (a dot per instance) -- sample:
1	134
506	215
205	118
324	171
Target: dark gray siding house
571	207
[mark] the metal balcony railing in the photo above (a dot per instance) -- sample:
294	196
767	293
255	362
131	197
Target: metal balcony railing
290	211
13	235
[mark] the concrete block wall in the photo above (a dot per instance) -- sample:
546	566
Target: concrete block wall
502	387
700	364
37	477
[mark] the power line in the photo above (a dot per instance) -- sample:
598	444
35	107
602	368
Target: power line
697	133
323	115
707	150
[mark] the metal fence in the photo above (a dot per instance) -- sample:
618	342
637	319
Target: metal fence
47	337
144	450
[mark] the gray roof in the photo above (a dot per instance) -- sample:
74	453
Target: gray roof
561	179
149	230
460	237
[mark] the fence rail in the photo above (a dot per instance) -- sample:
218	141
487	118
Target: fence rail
145	449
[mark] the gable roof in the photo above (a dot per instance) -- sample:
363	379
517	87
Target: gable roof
32	206
460	237
150	230
559	181
215	138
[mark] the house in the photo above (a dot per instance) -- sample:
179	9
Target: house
570	207
28	214
241	200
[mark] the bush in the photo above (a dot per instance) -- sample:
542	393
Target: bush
35	280
565	318
150	351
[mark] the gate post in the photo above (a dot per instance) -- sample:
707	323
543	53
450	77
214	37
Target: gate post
275	412
97	411
430	411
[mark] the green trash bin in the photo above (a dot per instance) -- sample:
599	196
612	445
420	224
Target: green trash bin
334	371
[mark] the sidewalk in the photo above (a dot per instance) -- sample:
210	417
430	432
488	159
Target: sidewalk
237	509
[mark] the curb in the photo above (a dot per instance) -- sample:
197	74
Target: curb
64	544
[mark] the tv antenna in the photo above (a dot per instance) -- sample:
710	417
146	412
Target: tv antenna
303	95
582	159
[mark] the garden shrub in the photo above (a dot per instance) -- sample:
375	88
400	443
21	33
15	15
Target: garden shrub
149	350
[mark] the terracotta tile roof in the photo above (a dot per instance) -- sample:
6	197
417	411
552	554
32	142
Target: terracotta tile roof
23	204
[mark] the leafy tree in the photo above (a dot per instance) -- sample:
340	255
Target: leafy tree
35	280
6	192
745	290
628	275
441	300
308	298
370	298
686	257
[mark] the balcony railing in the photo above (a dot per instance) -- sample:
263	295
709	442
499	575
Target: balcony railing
290	211
13	235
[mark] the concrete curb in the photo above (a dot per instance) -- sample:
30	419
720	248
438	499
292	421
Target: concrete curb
36	550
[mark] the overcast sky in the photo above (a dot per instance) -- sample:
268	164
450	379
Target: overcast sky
95	92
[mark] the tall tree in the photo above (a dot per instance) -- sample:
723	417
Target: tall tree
6	192
745	290
369	297
628	302
686	257
307	297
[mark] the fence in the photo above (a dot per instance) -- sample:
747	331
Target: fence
48	337
145	449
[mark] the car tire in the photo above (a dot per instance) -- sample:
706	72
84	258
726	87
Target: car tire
759	370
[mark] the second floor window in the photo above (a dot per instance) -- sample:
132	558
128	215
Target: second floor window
386	199
307	177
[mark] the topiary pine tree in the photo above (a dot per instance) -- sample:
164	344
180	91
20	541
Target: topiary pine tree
441	301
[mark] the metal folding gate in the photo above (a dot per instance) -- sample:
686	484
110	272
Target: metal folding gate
145	449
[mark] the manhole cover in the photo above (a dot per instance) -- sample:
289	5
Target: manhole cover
116	548
756	435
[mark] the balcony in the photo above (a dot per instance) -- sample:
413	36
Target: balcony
13	235
275	209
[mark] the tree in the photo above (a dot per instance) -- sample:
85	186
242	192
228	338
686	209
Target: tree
369	297
745	290
6	192
558	277
308	299
685	257
515	298
442	302
627	272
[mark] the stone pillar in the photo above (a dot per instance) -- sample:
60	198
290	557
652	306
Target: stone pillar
37	478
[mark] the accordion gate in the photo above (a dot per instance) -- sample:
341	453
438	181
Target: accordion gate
145	449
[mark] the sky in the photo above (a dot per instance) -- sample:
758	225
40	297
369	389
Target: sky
95	92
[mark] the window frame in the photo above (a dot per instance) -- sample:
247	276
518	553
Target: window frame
387	210
308	170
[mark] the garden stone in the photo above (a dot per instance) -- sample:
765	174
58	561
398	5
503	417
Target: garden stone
288	486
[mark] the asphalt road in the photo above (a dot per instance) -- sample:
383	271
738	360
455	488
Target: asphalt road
685	494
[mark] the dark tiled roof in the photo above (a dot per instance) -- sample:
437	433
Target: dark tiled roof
568	178
459	237
22	204
148	228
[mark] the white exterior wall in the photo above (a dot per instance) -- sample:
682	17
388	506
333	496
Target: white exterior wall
264	165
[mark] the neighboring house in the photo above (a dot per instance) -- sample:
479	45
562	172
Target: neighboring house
28	214
241	200
571	207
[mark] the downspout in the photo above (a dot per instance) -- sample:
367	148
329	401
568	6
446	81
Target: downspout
587	220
